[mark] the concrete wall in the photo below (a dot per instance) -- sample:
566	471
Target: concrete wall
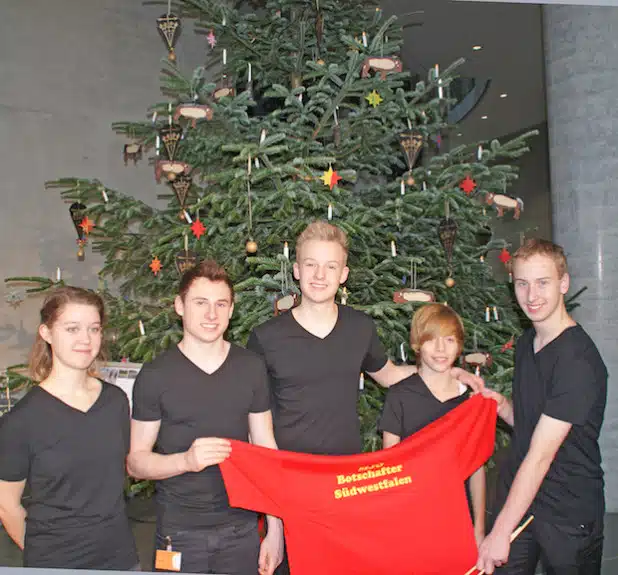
69	68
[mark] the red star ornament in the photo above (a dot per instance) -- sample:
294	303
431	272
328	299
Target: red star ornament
198	228
155	265
504	256
507	345
467	185
86	224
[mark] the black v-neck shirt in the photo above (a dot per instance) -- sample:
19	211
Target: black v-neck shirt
74	466
191	403
314	381
409	406
566	380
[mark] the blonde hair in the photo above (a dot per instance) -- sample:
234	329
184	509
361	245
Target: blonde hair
324	232
536	246
41	358
435	320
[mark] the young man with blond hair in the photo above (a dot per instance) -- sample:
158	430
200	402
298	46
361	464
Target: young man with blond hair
316	353
559	395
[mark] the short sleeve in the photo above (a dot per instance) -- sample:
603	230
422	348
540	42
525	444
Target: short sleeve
573	389
375	357
261	389
147	396
253	478
254	345
391	419
14	450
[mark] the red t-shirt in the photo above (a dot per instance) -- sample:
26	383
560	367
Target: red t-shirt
400	511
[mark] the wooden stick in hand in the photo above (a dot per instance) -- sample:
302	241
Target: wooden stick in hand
514	536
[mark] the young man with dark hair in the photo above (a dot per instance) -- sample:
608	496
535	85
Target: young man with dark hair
559	395
184	402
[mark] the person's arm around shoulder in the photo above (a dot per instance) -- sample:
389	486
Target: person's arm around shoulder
12	513
271	549
143	463
547	438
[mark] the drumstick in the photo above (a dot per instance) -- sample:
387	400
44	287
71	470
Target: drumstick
513	537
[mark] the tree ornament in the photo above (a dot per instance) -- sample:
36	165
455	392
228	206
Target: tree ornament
477	359
170	136
374	99
193	112
171	169
198	228
447	232
211	38
467	185
508	345
286	303
251	246
504	202
412	143
155	265
87	225
185	260
504	256
169	28
330	178
133	152
77	211
408	295
181	185
223	89
383	66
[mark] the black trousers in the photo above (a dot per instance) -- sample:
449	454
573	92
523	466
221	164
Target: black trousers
562	549
232	549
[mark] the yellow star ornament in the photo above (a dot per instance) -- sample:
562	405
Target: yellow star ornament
374	99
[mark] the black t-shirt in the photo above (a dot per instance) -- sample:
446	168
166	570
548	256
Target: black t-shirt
566	380
74	466
190	404
314	381
409	406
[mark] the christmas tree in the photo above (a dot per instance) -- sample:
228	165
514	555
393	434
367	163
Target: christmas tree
303	112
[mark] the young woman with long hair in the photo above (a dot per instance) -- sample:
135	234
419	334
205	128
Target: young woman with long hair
67	441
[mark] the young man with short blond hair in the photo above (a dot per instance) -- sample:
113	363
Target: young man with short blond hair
559	395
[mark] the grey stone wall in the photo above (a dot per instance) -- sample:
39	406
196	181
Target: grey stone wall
582	80
69	68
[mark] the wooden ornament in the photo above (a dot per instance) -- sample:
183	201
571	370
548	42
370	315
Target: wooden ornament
193	112
408	295
478	359
504	202
286	303
170	167
382	66
132	152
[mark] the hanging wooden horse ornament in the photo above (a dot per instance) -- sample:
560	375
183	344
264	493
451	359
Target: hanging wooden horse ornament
412	143
407	295
447	232
169	28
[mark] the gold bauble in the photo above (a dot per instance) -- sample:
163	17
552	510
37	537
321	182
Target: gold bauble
320	62
449	282
410	181
172	55
81	255
251	247
171	176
